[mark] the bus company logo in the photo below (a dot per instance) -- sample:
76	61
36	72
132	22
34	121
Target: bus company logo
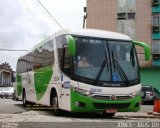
111	84
113	97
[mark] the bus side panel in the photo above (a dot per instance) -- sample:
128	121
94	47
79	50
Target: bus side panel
28	85
42	79
36	84
61	84
65	93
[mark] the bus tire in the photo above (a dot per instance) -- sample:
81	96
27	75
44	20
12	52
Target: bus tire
54	103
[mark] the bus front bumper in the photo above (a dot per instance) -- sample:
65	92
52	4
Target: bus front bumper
80	103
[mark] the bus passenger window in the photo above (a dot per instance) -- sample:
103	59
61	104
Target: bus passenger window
66	62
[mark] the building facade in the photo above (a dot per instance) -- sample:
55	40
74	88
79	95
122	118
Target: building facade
139	19
6	75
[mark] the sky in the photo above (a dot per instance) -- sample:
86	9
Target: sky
24	23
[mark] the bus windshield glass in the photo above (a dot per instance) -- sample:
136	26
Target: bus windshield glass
105	62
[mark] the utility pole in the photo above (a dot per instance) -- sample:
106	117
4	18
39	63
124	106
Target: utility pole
84	17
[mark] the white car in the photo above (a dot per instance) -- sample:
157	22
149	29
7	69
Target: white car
7	92
1	92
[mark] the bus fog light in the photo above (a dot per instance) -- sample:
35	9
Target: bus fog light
80	104
76	103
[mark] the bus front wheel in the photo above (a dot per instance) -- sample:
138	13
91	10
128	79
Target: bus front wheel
54	103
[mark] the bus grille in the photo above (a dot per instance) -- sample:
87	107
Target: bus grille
101	97
98	97
105	106
123	97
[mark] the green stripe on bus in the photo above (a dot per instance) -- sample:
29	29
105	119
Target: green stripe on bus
88	103
42	77
19	84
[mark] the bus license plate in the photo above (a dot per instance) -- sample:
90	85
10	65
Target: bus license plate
111	110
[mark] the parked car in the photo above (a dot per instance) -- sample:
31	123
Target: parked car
149	94
1	92
157	93
7	92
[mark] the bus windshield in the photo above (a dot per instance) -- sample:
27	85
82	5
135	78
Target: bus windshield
105	62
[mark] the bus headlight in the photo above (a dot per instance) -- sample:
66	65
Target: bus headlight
82	91
134	94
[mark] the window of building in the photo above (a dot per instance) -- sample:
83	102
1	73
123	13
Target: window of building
156	47
131	15
121	16
155	3
125	16
156	21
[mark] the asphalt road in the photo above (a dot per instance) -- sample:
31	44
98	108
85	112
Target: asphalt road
13	114
8	106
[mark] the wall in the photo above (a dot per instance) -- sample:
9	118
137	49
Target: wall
101	14
126	26
151	76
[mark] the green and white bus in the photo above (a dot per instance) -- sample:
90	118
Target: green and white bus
49	74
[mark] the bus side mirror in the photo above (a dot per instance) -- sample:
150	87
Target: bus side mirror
146	49
71	45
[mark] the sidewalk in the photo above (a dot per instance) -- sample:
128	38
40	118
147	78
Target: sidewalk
137	115
33	116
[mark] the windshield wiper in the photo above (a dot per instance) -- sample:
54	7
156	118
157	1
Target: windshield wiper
100	71
102	67
106	59
119	69
113	61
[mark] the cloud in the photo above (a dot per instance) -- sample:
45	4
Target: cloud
24	23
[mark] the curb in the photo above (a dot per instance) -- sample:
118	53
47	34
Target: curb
154	114
138	115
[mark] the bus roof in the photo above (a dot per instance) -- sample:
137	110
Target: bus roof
36	46
85	32
95	33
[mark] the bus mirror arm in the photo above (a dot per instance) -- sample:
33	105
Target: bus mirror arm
71	45
146	49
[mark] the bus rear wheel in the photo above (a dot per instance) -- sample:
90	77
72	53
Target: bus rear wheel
54	103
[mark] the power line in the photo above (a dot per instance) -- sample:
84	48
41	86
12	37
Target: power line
12	50
49	14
